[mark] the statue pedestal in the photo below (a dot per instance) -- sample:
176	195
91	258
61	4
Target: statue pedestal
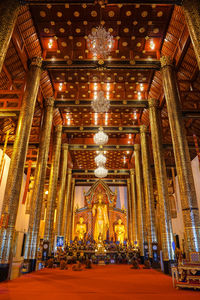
101	263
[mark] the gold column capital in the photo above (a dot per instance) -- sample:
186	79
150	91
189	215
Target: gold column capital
137	147
69	171
49	101
166	61
143	129
36	61
153	102
65	146
58	128
132	171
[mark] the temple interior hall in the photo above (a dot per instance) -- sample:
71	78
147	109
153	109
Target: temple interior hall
99	149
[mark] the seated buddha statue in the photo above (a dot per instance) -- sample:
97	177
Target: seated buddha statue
120	231
81	229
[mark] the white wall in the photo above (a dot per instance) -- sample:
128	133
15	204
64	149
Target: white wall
121	196
177	224
22	218
3	177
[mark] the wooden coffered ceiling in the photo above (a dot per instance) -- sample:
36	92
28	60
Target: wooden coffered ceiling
131	75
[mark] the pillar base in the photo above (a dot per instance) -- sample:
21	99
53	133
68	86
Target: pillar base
167	266
142	259
4	271
155	264
31	264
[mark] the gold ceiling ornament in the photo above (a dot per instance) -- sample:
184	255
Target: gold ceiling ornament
76	14
100	42
46	30
101	2
59	14
132	62
93	13
166	61
37	61
100	61
69	62
42	14
111	13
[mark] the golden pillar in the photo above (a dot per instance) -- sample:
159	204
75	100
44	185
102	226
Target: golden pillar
53	180
148	189
182	156
162	186
61	195
16	169
71	210
9	10
39	181
140	199
130	221
192	15
67	206
133	206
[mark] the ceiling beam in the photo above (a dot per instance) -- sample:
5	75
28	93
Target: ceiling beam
79	147
63	64
107	129
89	2
63	103
7	114
116	172
93	147
110	182
193	114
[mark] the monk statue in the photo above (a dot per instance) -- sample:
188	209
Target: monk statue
81	229
102	223
120	231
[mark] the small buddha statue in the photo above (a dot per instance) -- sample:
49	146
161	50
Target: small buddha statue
81	229
120	231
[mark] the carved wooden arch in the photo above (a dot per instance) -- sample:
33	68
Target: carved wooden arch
109	197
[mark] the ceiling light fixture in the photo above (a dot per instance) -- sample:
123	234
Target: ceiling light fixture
139	96
100	42
100	104
152	45
100	138
50	44
101	172
100	160
60	86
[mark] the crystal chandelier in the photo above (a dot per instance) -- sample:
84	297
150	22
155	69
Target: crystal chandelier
101	172
100	138
100	160
100	104
100	42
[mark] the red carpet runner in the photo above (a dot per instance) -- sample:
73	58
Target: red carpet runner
102	282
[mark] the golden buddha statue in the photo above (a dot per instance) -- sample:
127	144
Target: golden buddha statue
102	223
81	229
120	231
